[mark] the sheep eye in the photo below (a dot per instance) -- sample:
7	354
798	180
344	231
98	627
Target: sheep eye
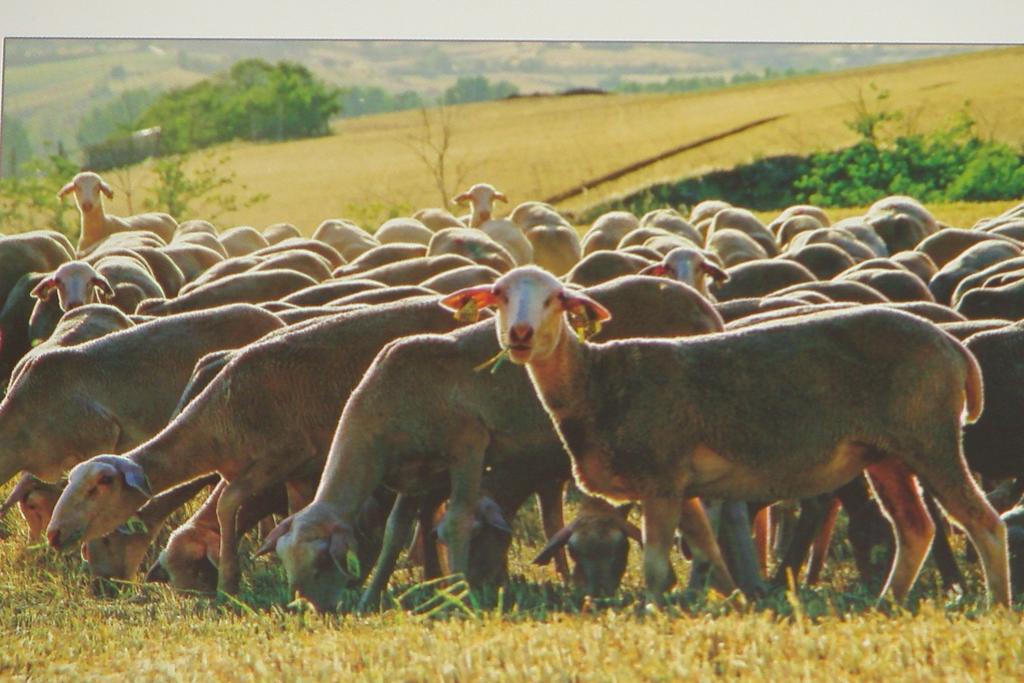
106	480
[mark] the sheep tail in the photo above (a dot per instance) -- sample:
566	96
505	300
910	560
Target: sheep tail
974	392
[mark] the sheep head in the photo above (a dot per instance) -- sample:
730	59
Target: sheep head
190	560
482	197
76	284
87	187
530	304
102	493
318	552
117	555
688	266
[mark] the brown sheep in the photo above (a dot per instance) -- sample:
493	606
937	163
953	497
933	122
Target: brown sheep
242	240
758	278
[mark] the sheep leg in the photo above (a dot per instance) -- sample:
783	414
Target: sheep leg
250	483
868	530
942	553
396	536
466	475
897	492
808	524
819	549
660	519
696	527
549	498
965	503
734	537
762	536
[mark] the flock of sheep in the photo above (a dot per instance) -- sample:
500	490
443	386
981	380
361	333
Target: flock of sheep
705	367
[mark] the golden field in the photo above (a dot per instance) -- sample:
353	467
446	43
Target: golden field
531	148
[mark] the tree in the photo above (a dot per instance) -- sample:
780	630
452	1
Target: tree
15	146
477	89
116	117
432	144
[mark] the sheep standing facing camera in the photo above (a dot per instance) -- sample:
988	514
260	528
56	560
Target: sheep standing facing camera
784	410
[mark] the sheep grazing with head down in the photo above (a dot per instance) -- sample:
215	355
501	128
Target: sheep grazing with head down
783	410
96	224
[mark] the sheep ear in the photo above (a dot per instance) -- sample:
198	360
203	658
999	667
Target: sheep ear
105	189
656	270
716	273
24	487
490	514
576	301
460	198
270	543
103	284
66	190
157	574
130	472
44	290
467	302
500	196
556	542
343	552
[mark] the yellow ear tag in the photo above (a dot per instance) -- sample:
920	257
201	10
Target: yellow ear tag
585	326
469	312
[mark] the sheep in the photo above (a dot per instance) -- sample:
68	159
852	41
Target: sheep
650	254
203	239
316	246
438	219
556	248
473	245
242	240
15	333
971	260
895	285
192	259
893	410
638	236
507	234
899	231
166	273
96	224
416	270
458	278
1013	229
530	214
899	204
917	263
965	328
35	500
325	292
608	230
838	291
29	252
271	410
865	234
670	220
734	247
481	198
602	266
251	288
758	278
662	244
824	260
745	222
299	260
707	209
381	440
795	225
279	232
690	266
95	394
408	230
76	284
382	296
195	225
840	237
741	308
983	276
381	256
229	266
1006	302
948	243
598	541
346	237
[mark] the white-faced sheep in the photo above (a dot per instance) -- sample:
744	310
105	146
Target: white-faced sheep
96	224
242	240
556	248
481	198
474	245
346	237
893	410
251	411
408	230
689	266
608	230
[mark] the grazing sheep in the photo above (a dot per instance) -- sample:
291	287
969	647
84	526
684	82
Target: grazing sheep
917	263
530	214
671	221
35	500
481	198
195	225
346	237
472	244
745	222
948	243
795	225
815	212
971	260
203	239
899	204
415	270
608	230
838	291
840	237
689	266
249	288
1006	302
824	260
602	266
381	256
507	234
30	252
316	246
438	219
192	259
598	542
73	402
963	329
230	266
242	240
893	410
271	411
279	232
166	273
734	247
895	285
325	292
400	443
459	278
408	230
983	277
707	209
383	296
741	308
15	331
865	234
759	278
556	248
96	224
299	260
